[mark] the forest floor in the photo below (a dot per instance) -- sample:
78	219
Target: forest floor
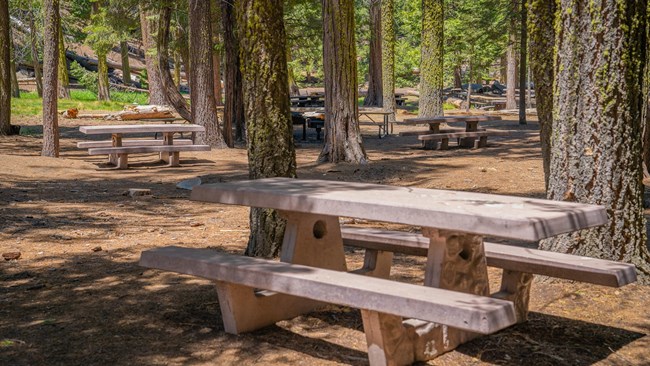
77	296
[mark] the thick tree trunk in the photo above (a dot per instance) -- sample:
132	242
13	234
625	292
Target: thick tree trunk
342	136
203	102
234	106
64	79
542	39
646	102
103	91
271	150
147	26
388	57
511	58
596	155
5	70
50	79
34	49
172	96
374	97
522	64
431	64
126	67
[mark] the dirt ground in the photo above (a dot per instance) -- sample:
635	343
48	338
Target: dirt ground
77	296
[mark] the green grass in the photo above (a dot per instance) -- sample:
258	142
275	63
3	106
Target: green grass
29	104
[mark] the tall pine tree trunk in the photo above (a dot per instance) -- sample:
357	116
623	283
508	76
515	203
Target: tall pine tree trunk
522	64
202	99
596	155
215	22
388	57
103	91
15	88
431	64
126	67
342	136
374	97
177	70
542	39
5	70
234	106
511	57
50	79
271	150
64	79
148	28
33	42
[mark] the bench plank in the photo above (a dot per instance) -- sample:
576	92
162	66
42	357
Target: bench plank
509	257
465	311
146	149
109	143
461	134
160	128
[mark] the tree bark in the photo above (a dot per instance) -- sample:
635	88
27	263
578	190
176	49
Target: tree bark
64	79
388	57
177	70
458	81
271	150
215	11
431	64
342	136
541	31
234	106
103	91
511	58
15	88
522	64
203	102
147	26
50	79
126	68
172	96
374	97
34	49
5	70
596	155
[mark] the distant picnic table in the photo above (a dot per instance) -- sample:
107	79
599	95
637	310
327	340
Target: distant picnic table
435	138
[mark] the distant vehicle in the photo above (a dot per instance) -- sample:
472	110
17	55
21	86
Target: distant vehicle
476	88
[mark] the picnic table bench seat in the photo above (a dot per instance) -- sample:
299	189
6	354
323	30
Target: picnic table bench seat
469	137
138	142
168	153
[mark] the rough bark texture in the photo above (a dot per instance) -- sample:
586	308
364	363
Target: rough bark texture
34	50
215	11
431	63
103	91
646	101
541	32
15	88
172	96
126	68
374	97
271	151
147	26
177	69
458	82
596	155
511	58
388	57
64	79
50	79
522	64
342	136
233	114
5	70
202	98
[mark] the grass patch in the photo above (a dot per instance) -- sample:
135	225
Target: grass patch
29	104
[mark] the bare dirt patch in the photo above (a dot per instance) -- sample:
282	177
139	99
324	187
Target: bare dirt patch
76	296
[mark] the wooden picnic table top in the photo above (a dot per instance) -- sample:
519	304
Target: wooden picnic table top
445	119
121	129
374	111
484	214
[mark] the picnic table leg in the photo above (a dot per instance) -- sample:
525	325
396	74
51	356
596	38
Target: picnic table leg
116	141
172	158
470	142
515	287
434	144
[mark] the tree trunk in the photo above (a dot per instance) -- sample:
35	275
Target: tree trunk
148	28
184	49
15	88
177	70
522	64
458	81
64	79
388	57
511	58
342	136
234	106
431	64
645	118
293	86
215	11
50	79
542	39
172	96
203	102
374	97
103	91
596	154
271	150
5	70
126	68
34	49
503	67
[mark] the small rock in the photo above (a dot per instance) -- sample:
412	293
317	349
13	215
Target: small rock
97	249
9	256
189	183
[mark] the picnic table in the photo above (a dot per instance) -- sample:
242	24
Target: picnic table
383	124
435	138
118	149
453	306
